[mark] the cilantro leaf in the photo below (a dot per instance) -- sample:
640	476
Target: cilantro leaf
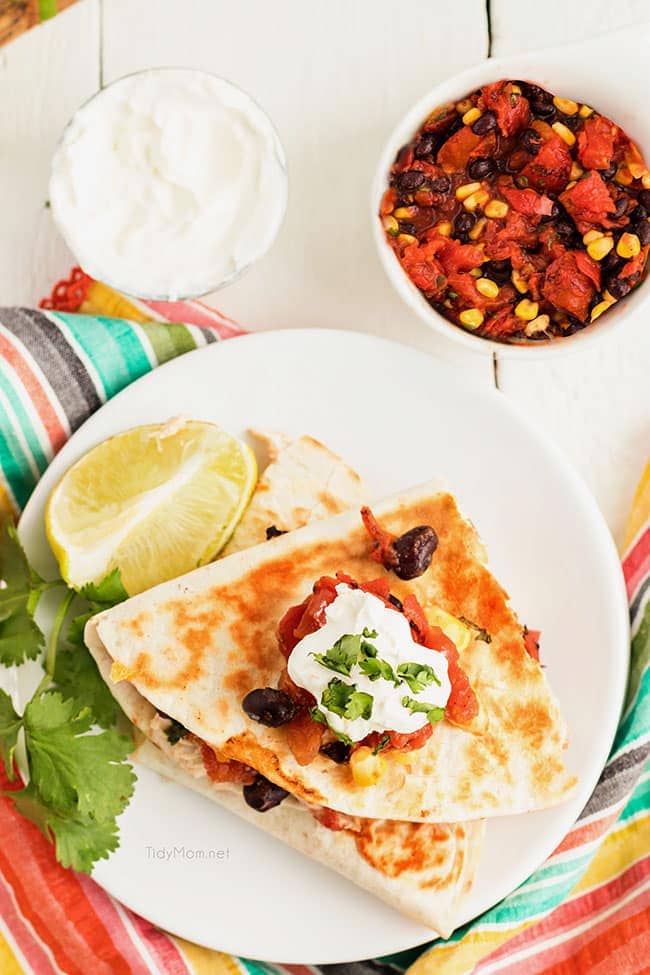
317	715
10	724
79	841
20	588
383	742
106	593
417	676
76	676
433	714
71	769
346	701
343	655
374	668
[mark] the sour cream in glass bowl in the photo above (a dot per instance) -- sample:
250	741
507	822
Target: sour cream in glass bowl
169	183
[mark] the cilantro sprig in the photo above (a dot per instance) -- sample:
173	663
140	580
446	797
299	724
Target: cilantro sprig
418	676
433	714
346	701
79	780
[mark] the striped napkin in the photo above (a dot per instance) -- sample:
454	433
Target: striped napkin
586	910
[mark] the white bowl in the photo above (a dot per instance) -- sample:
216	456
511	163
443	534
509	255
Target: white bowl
606	73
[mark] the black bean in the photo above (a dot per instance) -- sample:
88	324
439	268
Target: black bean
463	223
440	184
607	173
414	551
572	122
410	180
397	603
425	147
555	212
621	206
175	731
618	287
639	213
273	532
481	168
564	228
644	199
543	110
531	141
642	230
534	91
263	795
613	263
498	271
270	706
337	751
407	228
486	123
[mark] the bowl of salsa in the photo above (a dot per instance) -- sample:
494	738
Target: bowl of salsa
514	216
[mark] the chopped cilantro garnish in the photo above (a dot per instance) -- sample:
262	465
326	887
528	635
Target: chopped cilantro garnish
433	714
381	744
348	651
417	676
346	701
374	668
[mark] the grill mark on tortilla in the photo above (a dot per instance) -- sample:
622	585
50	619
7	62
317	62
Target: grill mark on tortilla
397	848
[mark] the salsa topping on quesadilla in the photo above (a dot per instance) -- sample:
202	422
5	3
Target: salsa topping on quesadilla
366	671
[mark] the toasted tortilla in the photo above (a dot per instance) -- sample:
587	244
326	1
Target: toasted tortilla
195	646
424	870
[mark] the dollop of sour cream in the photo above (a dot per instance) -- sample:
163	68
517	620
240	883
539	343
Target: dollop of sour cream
168	183
353	612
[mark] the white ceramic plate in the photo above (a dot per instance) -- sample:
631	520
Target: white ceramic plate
400	418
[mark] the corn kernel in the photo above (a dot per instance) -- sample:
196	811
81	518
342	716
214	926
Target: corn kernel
576	171
624	176
528	310
628	246
585	111
565	105
457	631
466	190
591	236
564	133
475	272
599	309
475	200
497	209
471	317
366	768
391	226
487	287
407	239
444	228
598	249
519	282
470	117
405	213
570	185
515	89
477	229
539	324
637	169
464	106
645	181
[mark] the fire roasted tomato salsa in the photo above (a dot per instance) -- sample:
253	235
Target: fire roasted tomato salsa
520	215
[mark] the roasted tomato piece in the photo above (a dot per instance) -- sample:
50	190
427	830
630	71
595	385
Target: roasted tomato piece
597	142
223	769
526	202
455	256
331	819
455	154
589	202
504	324
567	287
510	107
587	266
304	736
531	642
402	742
442	119
462	706
424	269
549	170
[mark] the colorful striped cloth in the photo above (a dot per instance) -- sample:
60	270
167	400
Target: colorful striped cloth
56	367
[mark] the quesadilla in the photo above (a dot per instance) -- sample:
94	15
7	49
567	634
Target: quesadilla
463	737
423	870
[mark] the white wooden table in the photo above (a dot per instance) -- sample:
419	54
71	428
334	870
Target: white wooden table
335	76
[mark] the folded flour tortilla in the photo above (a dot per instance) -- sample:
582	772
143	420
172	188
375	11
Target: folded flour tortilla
425	870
